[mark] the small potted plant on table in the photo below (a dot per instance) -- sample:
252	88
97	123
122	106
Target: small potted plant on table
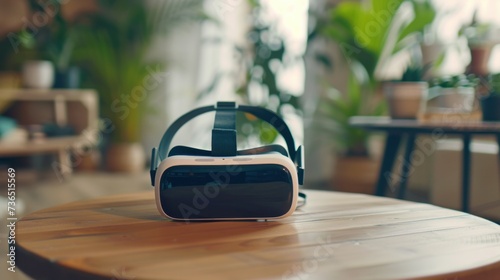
407	97
455	93
490	104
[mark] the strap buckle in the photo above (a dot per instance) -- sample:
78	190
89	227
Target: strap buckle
226	105
224	131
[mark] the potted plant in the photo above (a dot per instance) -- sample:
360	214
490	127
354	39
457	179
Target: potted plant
490	104
115	54
350	26
351	143
37	70
453	92
54	45
481	40
407	97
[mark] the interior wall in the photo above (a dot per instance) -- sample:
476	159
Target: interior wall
319	146
11	15
15	14
195	54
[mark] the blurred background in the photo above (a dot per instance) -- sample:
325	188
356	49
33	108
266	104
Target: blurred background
87	88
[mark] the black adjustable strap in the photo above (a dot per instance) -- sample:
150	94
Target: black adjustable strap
264	114
261	113
162	151
275	121
224	131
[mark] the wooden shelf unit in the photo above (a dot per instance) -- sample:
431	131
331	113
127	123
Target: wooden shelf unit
77	108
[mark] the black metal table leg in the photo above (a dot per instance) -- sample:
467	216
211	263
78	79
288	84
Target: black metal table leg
466	158
405	169
498	145
498	153
390	151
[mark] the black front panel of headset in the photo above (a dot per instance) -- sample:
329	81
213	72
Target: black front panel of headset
226	191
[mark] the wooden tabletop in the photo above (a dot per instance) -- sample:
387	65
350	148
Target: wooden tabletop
453	125
335	236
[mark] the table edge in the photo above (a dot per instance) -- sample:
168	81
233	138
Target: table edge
38	267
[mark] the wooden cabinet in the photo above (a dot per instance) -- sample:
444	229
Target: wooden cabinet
76	108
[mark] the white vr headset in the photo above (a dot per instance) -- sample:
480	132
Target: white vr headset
225	183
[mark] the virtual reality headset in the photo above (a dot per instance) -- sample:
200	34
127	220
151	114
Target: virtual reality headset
226	183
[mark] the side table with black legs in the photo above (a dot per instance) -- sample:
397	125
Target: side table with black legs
397	130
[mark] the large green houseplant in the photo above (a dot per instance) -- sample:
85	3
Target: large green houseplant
369	33
349	24
355	169
116	56
373	31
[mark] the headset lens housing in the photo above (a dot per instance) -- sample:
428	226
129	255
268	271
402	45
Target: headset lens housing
226	191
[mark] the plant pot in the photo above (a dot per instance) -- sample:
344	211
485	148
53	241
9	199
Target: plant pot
355	174
491	108
459	99
430	54
406	99
67	78
125	157
88	161
480	56
38	74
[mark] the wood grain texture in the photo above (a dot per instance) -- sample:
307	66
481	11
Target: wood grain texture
335	236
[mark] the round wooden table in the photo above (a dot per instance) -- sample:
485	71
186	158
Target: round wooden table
334	236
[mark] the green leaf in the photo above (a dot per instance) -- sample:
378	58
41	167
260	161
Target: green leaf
424	15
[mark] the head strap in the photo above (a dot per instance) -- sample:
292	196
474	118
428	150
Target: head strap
264	114
224	133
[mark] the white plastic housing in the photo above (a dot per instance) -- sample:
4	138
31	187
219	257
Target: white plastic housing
277	159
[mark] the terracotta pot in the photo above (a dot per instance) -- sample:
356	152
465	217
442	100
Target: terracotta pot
406	99
125	157
480	56
88	161
356	174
